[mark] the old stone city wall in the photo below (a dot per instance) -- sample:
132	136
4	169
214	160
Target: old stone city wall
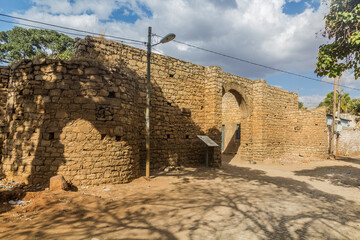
4	79
183	101
85	119
77	119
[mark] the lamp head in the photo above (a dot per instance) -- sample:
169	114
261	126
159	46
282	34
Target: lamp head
168	38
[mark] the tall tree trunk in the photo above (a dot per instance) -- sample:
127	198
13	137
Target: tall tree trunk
333	120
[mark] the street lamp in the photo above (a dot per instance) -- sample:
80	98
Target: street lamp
165	39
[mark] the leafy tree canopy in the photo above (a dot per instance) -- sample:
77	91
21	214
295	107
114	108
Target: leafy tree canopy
301	106
347	105
20	43
342	27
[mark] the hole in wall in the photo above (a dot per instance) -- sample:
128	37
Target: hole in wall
117	138
187	136
51	136
202	107
29	154
171	75
169	103
103	136
111	95
168	136
21	92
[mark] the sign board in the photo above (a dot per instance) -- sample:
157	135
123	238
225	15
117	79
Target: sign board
208	141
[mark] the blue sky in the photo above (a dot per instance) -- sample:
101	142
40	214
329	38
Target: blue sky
277	33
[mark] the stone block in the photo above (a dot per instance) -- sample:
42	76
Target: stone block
58	183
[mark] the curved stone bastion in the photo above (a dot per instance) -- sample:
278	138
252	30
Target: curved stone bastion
74	118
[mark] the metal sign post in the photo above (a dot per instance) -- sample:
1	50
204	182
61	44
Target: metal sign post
209	143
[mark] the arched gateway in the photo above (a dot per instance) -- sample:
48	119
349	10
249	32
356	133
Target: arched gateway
236	125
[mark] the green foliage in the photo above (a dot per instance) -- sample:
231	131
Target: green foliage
345	102
355	107
342	27
301	106
20	43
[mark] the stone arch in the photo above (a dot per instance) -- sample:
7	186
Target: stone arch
236	113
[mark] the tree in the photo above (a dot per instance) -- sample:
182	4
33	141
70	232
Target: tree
355	107
301	106
345	102
20	43
342	27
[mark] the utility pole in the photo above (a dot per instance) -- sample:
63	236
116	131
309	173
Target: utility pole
165	39
147	110
338	113
333	120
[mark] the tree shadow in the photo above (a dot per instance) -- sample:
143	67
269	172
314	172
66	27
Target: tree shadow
346	176
216	203
86	121
348	159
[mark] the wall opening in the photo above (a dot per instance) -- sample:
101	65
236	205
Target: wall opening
235	117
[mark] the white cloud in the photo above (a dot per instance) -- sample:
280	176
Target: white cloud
347	79
255	30
311	101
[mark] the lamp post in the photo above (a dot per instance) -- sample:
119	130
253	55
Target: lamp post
165	39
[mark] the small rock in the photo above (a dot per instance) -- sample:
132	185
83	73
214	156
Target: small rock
58	183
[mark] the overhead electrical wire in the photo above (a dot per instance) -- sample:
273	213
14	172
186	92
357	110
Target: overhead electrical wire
72	29
65	32
138	42
258	64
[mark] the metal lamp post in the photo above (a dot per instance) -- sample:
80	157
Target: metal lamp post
165	39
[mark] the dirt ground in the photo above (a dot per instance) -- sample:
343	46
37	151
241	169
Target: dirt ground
317	200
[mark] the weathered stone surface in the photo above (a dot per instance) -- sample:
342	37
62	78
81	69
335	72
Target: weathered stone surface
57	183
85	119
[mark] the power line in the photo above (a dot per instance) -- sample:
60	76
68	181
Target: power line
258	64
132	41
61	31
73	29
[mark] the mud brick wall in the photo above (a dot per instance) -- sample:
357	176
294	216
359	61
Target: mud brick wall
349	142
182	101
78	119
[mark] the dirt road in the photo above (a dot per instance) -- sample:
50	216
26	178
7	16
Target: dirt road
239	201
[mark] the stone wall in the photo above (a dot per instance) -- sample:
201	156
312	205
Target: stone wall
85	119
349	142
307	135
78	119
4	80
270	111
183	101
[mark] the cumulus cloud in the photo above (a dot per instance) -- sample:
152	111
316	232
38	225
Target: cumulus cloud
347	79
255	30
311	101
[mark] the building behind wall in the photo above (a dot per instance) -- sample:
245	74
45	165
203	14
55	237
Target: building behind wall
85	118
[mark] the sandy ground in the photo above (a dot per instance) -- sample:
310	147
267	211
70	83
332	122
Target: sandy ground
318	200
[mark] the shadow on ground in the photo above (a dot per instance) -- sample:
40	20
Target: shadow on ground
346	176
203	203
349	159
